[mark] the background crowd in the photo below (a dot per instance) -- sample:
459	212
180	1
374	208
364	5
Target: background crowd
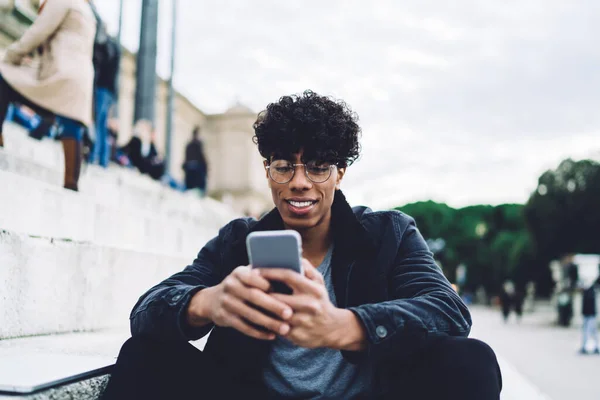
60	80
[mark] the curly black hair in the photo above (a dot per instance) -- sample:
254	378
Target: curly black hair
324	128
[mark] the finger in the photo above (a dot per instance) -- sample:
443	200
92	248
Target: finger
301	320
302	304
265	301
298	282
234	287
251	278
299	337
240	325
311	272
240	309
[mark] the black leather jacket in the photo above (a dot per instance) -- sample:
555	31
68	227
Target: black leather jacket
382	270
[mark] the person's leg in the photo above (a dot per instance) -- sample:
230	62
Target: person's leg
450	368
594	333
149	369
71	136
72	153
95	153
42	129
6	98
505	312
585	333
100	153
106	151
10	113
188	180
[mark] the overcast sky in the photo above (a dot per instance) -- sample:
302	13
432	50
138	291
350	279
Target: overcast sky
464	101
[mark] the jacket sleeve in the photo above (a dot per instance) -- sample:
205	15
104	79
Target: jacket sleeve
160	312
425	305
42	28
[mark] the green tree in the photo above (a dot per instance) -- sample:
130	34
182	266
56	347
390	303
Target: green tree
491	241
563	214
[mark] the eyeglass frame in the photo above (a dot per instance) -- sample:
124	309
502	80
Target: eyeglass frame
268	168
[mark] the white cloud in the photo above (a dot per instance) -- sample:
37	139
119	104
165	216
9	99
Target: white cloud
463	101
398	55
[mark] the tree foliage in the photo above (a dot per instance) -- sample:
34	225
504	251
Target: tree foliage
517	242
563	214
491	241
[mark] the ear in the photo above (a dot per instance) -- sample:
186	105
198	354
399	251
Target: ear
339	176
265	165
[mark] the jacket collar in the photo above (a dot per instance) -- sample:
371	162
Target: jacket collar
349	235
351	242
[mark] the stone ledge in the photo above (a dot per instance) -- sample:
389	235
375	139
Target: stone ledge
50	286
36	208
88	389
50	375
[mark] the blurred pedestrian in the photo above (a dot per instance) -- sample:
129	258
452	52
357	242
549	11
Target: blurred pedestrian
195	166
60	85
507	296
590	327
113	136
518	300
107	61
141	150
530	297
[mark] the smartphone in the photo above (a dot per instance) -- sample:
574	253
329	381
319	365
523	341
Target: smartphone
275	249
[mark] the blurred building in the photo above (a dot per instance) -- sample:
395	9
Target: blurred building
236	175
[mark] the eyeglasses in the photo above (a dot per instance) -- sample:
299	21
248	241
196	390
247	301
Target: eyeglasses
281	171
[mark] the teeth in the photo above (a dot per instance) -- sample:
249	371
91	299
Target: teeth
301	203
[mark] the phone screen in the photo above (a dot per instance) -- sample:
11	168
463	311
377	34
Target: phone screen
275	249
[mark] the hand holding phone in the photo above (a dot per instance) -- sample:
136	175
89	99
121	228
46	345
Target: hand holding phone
276	249
240	302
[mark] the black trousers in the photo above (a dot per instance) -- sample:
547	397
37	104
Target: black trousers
9	95
451	368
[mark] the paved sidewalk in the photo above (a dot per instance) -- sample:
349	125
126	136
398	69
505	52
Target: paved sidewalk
539	360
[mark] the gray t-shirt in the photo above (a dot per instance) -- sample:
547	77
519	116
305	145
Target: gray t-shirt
295	372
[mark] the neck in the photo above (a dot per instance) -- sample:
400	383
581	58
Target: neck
316	241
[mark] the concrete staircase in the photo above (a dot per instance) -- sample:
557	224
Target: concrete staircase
72	265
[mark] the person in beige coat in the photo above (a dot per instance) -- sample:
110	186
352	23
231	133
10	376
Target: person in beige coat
58	81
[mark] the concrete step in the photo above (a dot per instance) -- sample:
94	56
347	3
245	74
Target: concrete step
40	209
67	366
118	186
51	286
47	153
53	376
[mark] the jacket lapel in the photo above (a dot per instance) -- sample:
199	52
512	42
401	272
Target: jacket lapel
352	247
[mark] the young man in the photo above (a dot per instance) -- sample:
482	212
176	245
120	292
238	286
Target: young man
372	317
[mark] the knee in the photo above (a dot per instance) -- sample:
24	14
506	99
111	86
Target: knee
477	351
144	349
135	346
145	346
465	367
466	352
472	359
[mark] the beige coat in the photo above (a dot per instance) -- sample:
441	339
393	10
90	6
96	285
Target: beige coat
61	79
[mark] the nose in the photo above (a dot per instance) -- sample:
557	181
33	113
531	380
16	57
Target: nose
300	182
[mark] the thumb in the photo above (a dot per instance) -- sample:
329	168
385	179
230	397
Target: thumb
311	272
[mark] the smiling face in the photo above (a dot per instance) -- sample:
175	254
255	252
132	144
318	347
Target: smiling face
304	204
306	129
